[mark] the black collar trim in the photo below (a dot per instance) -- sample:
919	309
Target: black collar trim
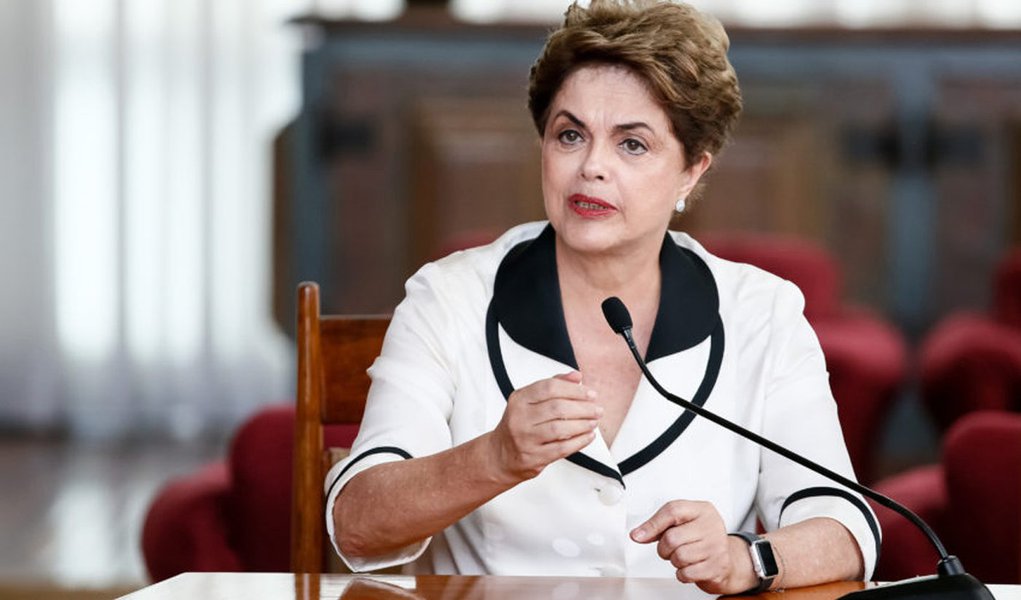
526	303
657	446
507	388
526	300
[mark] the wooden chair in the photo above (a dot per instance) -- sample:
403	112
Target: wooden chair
334	352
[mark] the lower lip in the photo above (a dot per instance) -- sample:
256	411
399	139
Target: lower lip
588	211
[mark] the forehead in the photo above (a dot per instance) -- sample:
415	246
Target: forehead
608	91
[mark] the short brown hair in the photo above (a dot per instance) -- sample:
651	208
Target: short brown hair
679	52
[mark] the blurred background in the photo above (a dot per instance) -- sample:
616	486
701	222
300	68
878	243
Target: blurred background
171	169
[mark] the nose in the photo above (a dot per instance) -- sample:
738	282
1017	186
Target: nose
595	165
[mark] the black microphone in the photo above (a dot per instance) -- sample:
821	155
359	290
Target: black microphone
951	583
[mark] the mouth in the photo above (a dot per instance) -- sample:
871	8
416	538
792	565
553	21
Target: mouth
589	206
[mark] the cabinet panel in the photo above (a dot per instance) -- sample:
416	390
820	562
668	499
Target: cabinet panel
896	150
421	155
974	166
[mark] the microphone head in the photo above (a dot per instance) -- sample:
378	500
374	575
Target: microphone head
616	315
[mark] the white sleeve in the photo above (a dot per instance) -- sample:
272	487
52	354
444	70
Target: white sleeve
801	415
408	407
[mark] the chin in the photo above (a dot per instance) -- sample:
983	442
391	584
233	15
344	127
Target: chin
588	239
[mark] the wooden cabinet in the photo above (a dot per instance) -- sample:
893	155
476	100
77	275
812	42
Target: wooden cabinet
898	150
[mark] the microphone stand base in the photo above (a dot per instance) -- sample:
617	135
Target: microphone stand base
935	587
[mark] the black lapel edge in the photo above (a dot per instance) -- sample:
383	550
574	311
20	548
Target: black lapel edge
526	297
507	388
657	446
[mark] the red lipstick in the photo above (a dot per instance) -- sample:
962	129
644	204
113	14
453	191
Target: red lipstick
588	206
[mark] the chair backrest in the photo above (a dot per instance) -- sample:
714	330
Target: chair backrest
806	263
982	465
334	352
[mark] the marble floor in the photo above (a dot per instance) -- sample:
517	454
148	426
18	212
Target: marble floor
71	513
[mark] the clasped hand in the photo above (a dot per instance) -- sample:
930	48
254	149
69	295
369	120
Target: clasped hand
692	536
545	421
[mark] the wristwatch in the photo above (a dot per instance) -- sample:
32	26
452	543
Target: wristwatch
763	560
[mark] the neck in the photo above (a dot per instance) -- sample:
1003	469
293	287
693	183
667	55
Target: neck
633	276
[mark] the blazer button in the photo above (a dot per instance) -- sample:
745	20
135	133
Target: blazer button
610	495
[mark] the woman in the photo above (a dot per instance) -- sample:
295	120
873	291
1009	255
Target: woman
508	429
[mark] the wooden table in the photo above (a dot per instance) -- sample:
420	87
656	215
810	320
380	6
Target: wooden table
280	586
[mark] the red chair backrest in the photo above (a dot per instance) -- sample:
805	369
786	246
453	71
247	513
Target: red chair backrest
803	262
982	462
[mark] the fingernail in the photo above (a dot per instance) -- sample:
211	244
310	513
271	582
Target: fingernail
590	394
639	534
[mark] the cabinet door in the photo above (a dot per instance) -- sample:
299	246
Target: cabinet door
445	156
809	160
975	164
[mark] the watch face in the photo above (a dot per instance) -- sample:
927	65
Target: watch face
767	561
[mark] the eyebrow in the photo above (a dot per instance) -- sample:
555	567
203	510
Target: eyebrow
622	127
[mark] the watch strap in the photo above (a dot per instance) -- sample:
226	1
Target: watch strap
752	539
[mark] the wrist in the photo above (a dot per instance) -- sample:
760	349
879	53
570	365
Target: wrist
765	566
743	575
492	462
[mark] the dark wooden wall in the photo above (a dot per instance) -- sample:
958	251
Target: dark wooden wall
897	150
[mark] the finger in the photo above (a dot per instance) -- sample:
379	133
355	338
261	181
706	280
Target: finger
554	388
697	572
705	571
671	514
564	448
561	410
672	541
556	431
688	552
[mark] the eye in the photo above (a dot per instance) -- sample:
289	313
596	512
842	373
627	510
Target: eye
633	146
569	136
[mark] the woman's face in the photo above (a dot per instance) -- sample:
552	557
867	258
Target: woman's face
612	169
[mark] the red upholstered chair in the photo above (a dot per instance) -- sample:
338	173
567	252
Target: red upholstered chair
972	361
972	500
866	356
233	515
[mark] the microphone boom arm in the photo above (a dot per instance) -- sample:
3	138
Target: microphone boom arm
948	564
951	581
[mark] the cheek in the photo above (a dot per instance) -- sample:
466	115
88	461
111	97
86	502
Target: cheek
548	184
555	173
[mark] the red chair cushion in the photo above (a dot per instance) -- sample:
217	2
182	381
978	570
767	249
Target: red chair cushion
906	551
185	527
982	462
972	500
866	359
261	457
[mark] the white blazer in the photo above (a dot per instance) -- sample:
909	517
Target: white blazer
480	323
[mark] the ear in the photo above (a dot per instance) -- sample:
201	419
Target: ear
693	173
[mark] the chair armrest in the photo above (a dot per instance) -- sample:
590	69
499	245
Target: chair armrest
185	527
